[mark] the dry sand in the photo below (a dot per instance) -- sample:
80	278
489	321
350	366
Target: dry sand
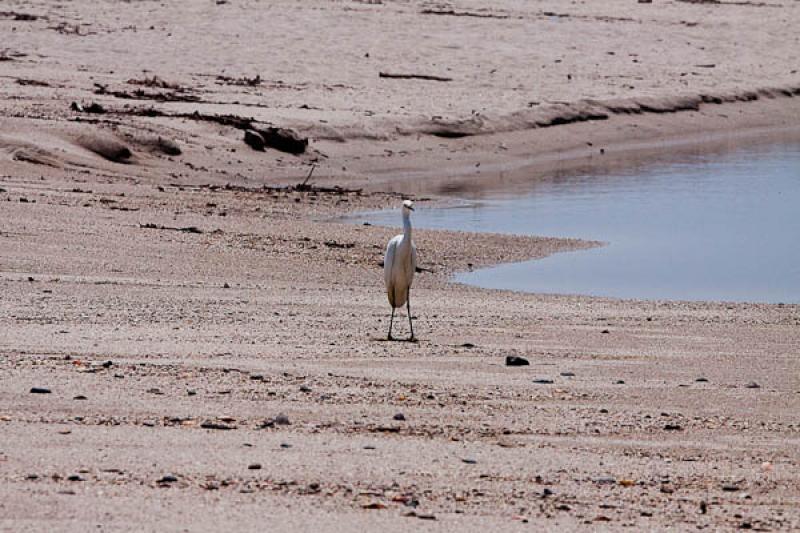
180	313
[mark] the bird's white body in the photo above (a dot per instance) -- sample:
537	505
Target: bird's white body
400	264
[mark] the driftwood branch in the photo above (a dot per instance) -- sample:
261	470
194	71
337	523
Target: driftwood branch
454	13
413	77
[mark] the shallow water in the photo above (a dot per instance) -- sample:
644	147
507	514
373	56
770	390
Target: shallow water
713	227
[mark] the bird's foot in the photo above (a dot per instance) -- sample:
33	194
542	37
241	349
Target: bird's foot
412	338
389	337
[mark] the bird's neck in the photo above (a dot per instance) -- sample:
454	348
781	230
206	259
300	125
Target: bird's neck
407	226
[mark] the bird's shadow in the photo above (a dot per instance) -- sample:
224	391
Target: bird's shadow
415	340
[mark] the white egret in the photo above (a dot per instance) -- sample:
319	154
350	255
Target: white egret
399	267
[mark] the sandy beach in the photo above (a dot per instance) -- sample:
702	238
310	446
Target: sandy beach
190	340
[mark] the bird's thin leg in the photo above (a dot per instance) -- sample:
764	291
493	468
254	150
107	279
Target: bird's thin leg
390	325
410	323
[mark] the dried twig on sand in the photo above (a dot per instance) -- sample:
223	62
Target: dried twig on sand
413	76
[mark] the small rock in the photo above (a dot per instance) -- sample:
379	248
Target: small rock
254	466
191	392
254	140
399	416
107	364
374	505
543	381
672	427
619	382
40	390
285	445
282	420
605	331
169	478
627	482
605	480
467	345
75	477
701	380
604	411
667	489
547	492
568	374
304	388
226	286
80	397
753	385
469	461
513	360
730	487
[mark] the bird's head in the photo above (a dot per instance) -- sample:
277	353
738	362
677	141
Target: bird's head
408	205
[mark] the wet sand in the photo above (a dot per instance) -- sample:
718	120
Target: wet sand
214	349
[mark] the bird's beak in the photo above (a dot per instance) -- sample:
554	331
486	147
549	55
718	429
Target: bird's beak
411	208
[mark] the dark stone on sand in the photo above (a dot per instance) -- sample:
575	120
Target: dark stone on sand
605	331
285	445
703	507
168	146
254	140
469	461
467	345
672	427
547	492
254	466
305	388
399	416
568	374
285	140
701	380
513	360
80	397
282	420
543	381
169	478
75	477
107	364
106	147
40	390
753	385
730	487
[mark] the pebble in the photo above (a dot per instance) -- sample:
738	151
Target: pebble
730	487
254	466
568	374
304	388
672	427
80	397
513	360
399	416
285	445
282	420
40	390
701	380
753	385
169	478
75	477
469	461
543	381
